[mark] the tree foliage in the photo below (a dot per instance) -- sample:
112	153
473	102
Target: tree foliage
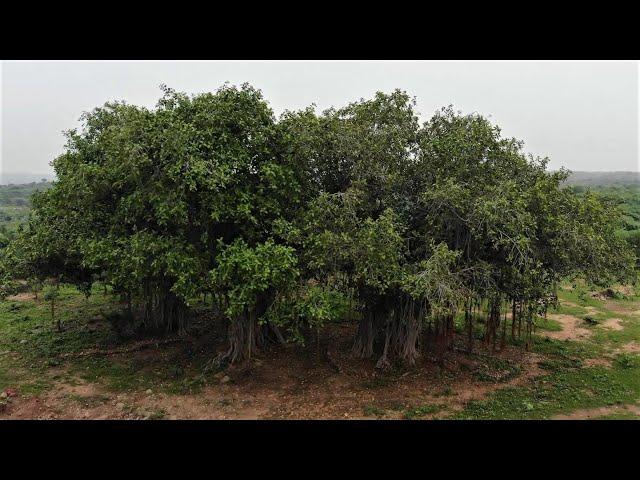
292	223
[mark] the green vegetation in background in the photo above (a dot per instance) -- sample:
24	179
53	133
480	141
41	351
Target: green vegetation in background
621	190
626	197
15	204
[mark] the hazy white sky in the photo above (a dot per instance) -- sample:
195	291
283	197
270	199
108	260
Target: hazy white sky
583	115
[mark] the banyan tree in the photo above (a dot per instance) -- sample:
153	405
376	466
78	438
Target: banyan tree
428	232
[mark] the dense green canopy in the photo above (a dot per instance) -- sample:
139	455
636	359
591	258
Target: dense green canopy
290	223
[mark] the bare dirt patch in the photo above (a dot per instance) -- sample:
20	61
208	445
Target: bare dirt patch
571	329
22	297
631	347
597	362
627	290
591	413
613	324
619	306
570	304
65	401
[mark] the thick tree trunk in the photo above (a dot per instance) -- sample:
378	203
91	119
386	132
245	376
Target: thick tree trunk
161	308
383	362
243	337
407	338
363	345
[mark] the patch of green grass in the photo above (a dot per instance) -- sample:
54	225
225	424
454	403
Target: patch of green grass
133	374
627	360
423	410
561	391
578	295
598	317
91	401
158	414
616	338
568	385
560	363
566	348
548	324
187	386
14	375
373	411
445	392
26	327
496	370
117	376
576	311
30	345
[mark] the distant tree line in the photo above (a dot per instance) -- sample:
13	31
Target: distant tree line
286	224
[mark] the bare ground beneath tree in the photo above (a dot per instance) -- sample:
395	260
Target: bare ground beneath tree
294	383
301	383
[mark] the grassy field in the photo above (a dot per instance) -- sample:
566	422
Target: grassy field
601	370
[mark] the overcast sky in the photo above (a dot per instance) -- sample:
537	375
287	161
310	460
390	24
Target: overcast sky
582	115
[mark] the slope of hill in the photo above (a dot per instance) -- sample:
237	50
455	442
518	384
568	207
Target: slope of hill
18	178
604	178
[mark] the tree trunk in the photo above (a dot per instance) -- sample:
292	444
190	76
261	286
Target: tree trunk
363	345
468	313
383	361
513	320
242	339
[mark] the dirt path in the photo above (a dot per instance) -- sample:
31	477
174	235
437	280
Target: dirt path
593	413
631	347
571	329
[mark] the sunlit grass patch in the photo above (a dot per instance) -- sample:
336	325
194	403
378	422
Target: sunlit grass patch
548	324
